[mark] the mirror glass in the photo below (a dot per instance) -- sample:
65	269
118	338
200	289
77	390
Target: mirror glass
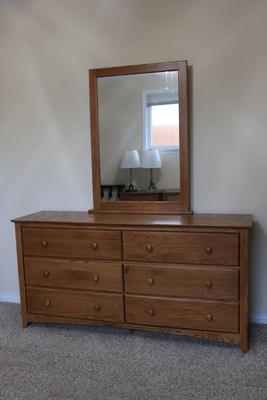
139	137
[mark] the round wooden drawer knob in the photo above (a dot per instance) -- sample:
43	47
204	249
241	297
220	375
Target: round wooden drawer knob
151	312
209	317
208	250
96	277
149	247
208	284
47	303
45	274
150	281
97	307
44	243
94	246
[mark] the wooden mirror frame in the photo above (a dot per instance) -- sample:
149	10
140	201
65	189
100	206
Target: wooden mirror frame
156	207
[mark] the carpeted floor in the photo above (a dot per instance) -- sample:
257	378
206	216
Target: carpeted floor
72	363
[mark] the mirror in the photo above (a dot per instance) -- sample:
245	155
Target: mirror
139	138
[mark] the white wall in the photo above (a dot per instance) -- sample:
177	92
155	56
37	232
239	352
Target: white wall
46	48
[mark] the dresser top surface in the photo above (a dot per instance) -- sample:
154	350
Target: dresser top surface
192	220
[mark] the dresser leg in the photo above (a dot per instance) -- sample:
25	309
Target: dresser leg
244	337
131	331
244	346
24	323
244	309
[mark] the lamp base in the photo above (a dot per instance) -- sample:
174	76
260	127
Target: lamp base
131	188
152	185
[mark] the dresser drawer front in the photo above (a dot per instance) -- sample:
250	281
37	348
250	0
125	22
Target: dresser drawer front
182	313
73	274
183	280
72	243
184	247
75	304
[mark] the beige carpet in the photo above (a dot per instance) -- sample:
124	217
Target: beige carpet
71	362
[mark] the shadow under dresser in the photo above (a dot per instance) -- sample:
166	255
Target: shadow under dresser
186	274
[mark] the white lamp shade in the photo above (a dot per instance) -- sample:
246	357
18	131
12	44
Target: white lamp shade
130	159
151	159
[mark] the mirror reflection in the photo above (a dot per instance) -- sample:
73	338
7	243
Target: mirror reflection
139	137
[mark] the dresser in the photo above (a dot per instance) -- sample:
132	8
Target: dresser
150	195
179	274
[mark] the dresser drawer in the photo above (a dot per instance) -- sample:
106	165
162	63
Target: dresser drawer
75	304
72	243
182	313
73	274
182	280
184	247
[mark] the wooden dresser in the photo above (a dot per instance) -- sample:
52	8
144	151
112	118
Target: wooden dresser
151	195
186	275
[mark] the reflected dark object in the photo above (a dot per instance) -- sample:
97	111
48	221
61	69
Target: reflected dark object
131	188
151	195
120	188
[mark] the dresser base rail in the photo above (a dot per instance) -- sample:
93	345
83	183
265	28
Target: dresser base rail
230	338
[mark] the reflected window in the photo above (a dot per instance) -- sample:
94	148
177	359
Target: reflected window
161	121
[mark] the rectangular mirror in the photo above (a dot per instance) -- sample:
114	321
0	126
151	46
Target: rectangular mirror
139	138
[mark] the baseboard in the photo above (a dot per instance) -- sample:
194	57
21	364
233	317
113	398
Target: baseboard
256	318
9	299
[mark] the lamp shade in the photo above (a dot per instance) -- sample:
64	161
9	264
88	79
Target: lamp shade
151	159
130	159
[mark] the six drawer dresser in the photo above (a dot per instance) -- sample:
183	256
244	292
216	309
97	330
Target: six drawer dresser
182	274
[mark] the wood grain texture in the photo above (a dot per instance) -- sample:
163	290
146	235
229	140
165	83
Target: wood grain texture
182	313
141	195
22	287
244	270
147	195
146	210
73	274
128	220
182	247
72	243
74	303
95	151
180	203
177	290
199	334
182	281
170	195
184	152
140	68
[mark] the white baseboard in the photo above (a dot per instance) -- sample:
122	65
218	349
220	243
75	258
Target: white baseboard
256	318
9	299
